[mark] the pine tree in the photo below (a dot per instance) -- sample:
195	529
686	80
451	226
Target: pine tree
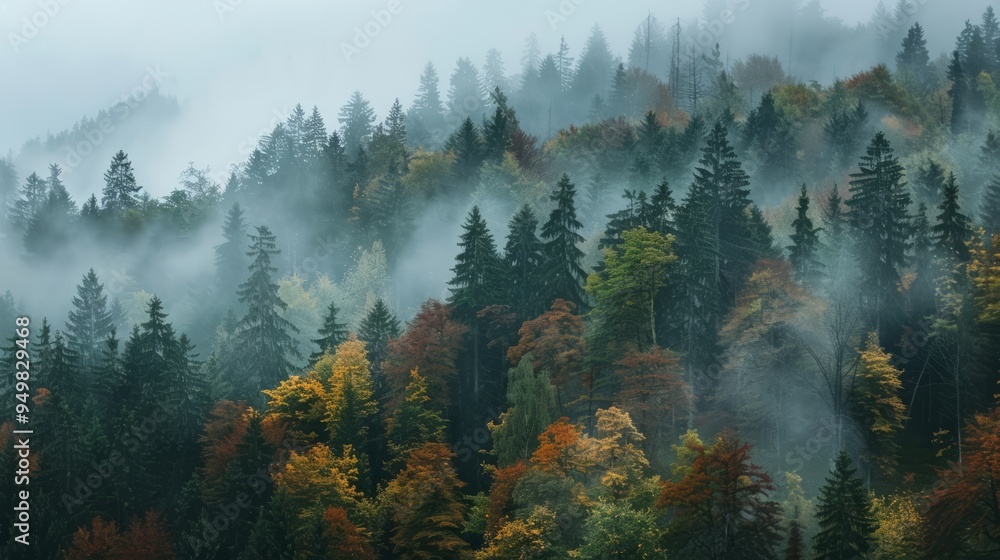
230	255
561	266
913	59
844	514
356	119
331	334
88	327
263	338
805	242
953	228
120	188
478	282
523	256
880	224
467	145
466	98
990	210
414	423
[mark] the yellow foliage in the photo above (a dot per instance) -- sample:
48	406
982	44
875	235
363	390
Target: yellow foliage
899	522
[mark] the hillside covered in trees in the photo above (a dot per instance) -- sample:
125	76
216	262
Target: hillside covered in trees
682	308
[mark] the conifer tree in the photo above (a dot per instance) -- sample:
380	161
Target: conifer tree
523	256
959	92
845	520
912	60
561	266
376	330
467	145
466	97
331	334
30	202
356	119
499	129
478	282
990	210
953	228
929	183
120	188
414	423
805	242
230	255
426	116
263	339
880	224
88	327
922	291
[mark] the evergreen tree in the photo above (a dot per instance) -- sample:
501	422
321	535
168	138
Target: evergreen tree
959	92
845	520
880	224
561	265
953	228
912	60
478	282
414	423
230	255
466	98
467	145
523	256
795	545
120	188
494	74
263	338
331	334
88	327
356	119
376	330
594	69
426	116
499	129
768	138
922	290
929	182
990	210
49	229
29	203
805	242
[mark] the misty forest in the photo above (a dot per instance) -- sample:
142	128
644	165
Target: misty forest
666	303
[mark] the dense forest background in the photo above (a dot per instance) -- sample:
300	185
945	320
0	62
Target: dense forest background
680	306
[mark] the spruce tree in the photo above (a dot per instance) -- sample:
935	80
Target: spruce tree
912	60
499	129
880	224
88	327
426	116
30	202
845	520
795	545
953	228
414	423
523	256
466	97
922	290
376	330
561	267
264	342
478	282
805	242
230	255
120	188
356	119
929	182
331	334
990	210
467	145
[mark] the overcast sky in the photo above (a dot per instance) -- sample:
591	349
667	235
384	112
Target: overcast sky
236	64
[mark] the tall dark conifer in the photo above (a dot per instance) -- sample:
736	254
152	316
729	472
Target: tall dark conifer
561	267
523	256
805	242
88	327
846	523
331	334
953	228
264	342
230	255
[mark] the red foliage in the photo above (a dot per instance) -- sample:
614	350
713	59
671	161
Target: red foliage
556	341
430	343
501	494
343	539
652	388
556	447
224	430
964	507
146	538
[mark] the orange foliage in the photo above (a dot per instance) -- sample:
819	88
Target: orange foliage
146	538
556	341
430	343
964	507
557	446
501	494
343	539
652	388
224	430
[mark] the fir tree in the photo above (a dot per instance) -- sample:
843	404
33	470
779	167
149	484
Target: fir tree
30	202
376	330
929	182
561	266
230	255
953	228
845	520
414	423
88	327
523	256
466	98
499	129
467	145
805	242
912	60
263	338
959	91
120	188
880	223
426	116
331	334
795	544
356	119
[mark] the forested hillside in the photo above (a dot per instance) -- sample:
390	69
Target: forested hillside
682	307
